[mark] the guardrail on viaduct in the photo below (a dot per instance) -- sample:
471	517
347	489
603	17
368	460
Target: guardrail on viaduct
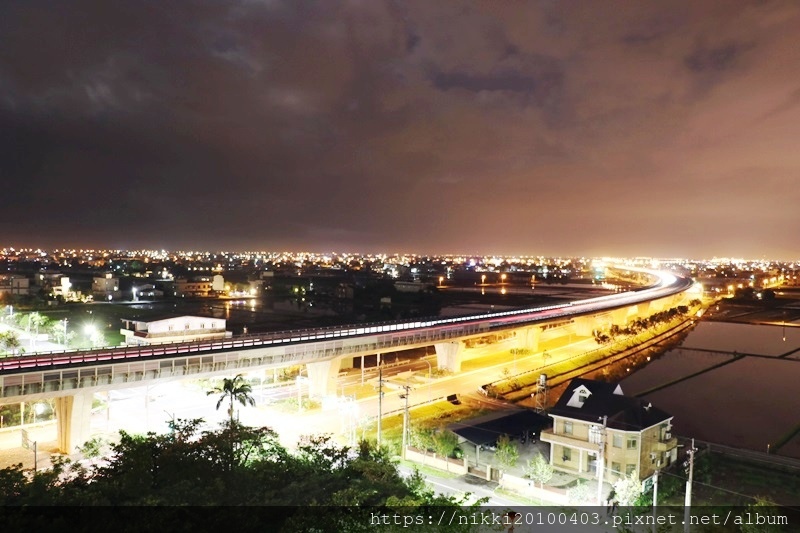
45	375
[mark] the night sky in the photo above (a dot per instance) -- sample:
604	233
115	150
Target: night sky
550	128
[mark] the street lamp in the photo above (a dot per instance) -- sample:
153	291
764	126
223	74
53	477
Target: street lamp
430	371
300	379
38	410
66	343
784	326
404	396
91	332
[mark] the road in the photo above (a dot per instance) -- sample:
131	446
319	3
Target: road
460	486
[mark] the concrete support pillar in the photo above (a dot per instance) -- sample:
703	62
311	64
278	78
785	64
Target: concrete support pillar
322	377
661	304
528	338
73	418
448	355
584	325
620	317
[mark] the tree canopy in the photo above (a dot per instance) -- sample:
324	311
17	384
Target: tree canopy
321	487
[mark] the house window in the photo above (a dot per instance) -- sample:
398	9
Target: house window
617	441
202	326
186	326
567	455
616	468
170	328
567	428
594	435
582	398
630	469
631	443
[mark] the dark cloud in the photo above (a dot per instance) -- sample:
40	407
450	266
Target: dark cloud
715	59
551	128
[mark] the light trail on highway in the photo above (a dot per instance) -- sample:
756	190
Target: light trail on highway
667	285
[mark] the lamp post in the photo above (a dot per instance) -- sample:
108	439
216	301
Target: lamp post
430	372
405	396
91	333
601	461
300	392
655	498
66	343
380	402
784	326
687	513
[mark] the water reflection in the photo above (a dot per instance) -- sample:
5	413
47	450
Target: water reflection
732	384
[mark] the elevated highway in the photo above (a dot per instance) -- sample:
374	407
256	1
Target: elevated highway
72	377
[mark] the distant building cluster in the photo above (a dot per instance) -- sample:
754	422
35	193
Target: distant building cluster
133	275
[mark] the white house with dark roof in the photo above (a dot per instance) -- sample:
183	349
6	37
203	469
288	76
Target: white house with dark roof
594	416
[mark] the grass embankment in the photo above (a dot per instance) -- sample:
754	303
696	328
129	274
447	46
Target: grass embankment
520	387
434	415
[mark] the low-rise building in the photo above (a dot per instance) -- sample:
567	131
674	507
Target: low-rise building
106	287
15	285
173	329
148	290
193	287
594	418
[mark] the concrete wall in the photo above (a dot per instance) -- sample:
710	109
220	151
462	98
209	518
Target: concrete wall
456	466
528	488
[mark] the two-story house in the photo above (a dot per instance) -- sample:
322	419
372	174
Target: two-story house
594	418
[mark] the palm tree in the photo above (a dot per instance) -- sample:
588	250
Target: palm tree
233	389
37	320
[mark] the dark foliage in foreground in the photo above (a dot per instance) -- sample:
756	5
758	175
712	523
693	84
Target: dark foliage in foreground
234	476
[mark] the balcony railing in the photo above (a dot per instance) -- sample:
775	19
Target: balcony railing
547	435
666	444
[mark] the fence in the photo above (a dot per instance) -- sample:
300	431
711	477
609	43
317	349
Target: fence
456	466
528	488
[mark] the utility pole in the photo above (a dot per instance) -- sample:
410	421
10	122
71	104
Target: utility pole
601	467
380	402
655	498
405	396
688	503
31	445
784	326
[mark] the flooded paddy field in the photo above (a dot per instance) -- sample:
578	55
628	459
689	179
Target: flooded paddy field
744	401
